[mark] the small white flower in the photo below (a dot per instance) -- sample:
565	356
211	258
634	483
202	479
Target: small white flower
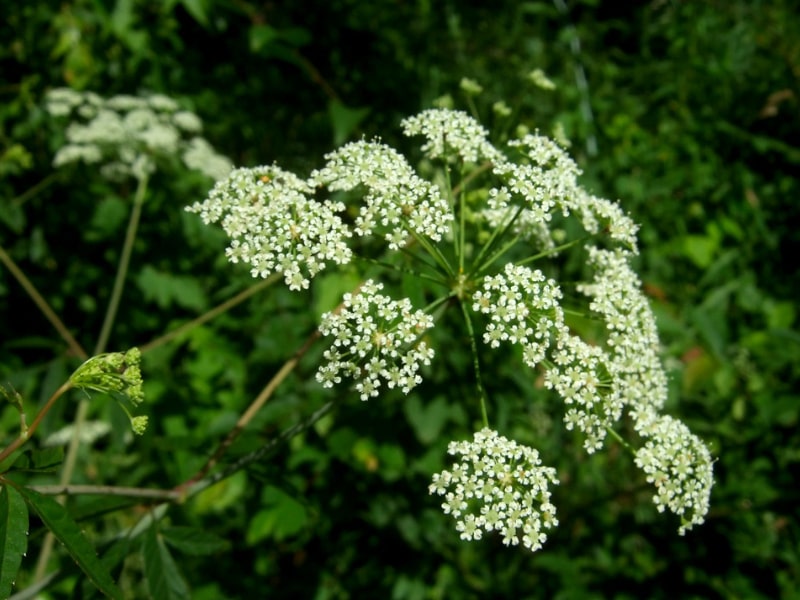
451	133
397	201
274	225
514	496
680	466
375	340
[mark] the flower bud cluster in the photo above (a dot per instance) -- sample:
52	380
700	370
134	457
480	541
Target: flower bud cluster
130	135
117	374
275	226
375	341
497	485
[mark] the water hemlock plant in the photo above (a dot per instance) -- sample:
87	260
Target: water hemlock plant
480	234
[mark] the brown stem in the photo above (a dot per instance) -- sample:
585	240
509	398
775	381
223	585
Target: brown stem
229	303
37	298
251	411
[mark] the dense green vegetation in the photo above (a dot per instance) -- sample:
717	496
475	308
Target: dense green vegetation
688	112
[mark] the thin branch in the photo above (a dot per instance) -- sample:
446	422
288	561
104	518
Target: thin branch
251	411
21	439
122	269
106	490
37	298
221	308
259	453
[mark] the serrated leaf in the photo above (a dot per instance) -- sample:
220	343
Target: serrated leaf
164	579
13	537
57	520
39	461
193	542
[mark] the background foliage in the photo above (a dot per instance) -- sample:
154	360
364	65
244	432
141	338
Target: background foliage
689	114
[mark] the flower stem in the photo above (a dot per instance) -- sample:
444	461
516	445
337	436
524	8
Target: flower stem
217	310
475	362
105	332
251	411
122	269
36	421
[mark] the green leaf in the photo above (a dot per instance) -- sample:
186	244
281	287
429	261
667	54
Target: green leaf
427	419
45	460
164	579
283	517
57	520
344	120
167	289
193	542
13	537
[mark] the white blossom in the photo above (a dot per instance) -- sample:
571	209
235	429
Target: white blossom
130	136
451	133
397	201
275	226
497	485
376	341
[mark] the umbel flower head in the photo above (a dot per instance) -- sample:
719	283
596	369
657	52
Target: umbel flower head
478	235
498	485
128	136
116	374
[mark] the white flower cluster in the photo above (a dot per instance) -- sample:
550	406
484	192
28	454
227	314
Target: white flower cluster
375	340
678	463
523	308
129	135
673	458
451	133
547	180
498	485
633	344
275	226
579	375
397	199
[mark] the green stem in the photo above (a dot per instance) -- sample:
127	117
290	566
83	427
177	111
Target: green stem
106	490
36	421
434	252
122	269
475	362
499	232
83	407
399	269
35	189
555	250
622	442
